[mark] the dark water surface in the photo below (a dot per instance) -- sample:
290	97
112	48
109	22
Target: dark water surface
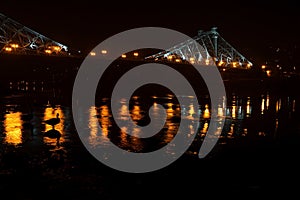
257	153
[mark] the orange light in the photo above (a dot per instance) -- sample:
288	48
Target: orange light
136	54
48	51
263	67
92	53
104	51
234	64
9	49
192	60
220	63
207	61
123	56
14	45
56	48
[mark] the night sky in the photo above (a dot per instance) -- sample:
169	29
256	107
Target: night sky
256	29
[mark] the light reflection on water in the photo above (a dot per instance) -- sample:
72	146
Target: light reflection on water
24	128
244	116
96	136
251	117
13	128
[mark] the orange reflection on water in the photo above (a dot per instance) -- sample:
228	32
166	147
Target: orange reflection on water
191	111
51	113
206	113
262	106
231	132
233	114
220	111
104	119
156	109
171	131
93	125
123	135
248	108
170	111
13	128
204	129
267	101
278	105
124	113
99	137
136	113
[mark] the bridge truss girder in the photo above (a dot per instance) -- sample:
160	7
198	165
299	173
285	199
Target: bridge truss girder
19	39
213	48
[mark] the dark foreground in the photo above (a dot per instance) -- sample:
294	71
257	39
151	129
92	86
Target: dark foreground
239	171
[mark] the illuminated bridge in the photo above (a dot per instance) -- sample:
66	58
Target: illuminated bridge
212	48
18	39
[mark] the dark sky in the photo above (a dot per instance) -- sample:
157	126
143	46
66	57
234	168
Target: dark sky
255	28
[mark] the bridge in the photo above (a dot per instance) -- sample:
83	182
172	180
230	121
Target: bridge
16	38
213	48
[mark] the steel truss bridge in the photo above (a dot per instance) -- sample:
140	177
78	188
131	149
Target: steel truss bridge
19	39
205	48
16	38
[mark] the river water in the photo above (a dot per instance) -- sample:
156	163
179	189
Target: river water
256	153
